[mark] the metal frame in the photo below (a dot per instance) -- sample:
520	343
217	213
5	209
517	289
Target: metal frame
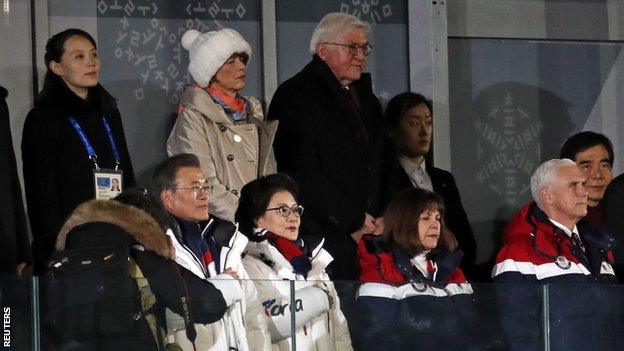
269	49
428	56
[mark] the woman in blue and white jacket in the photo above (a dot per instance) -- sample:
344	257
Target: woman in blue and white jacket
268	213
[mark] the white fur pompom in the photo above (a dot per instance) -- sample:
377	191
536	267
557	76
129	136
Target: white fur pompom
189	38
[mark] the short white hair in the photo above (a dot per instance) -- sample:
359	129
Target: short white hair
334	24
545	175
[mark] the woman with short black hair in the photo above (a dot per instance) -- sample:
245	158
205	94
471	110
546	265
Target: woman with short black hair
269	214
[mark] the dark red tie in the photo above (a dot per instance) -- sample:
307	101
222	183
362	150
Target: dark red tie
354	100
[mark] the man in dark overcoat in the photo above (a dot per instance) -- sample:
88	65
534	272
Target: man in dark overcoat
331	139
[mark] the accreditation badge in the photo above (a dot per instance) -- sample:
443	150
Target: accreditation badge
108	183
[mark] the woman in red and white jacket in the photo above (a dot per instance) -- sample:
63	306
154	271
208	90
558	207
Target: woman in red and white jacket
412	283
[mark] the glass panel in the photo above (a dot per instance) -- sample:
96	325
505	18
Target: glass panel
512	105
17	313
388	63
408	317
586	317
370	316
15	71
93	313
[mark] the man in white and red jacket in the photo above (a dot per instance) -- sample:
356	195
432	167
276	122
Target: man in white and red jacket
212	249
545	243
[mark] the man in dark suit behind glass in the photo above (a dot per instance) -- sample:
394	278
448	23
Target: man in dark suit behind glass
409	121
330	138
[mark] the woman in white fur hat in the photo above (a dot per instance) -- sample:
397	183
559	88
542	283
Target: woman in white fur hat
225	129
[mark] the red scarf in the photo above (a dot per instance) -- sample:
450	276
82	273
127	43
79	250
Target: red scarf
287	248
207	258
292	252
237	104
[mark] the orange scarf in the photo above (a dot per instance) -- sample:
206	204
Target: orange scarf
236	104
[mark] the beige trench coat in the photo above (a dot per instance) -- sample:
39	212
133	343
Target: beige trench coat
231	155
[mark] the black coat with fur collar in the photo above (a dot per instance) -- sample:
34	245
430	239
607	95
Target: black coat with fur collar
102	223
58	174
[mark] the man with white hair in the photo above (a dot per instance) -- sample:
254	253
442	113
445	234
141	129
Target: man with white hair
545	243
331	139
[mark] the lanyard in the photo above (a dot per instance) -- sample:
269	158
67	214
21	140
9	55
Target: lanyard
89	147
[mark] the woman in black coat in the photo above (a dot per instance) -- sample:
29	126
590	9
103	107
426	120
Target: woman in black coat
58	168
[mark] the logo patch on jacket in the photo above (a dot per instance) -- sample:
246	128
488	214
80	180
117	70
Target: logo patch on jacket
272	309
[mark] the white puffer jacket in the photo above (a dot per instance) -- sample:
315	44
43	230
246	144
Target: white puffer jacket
242	327
318	327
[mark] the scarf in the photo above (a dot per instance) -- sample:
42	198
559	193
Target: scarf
292	251
204	247
236	107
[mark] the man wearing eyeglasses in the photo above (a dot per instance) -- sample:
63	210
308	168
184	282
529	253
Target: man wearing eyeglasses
211	248
330	138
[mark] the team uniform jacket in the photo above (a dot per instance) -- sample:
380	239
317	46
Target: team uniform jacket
537	252
318	326
231	154
400	305
242	327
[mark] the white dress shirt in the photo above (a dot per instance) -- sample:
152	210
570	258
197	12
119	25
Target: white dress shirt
417	173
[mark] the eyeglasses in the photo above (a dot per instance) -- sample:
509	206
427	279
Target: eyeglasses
285	211
355	48
197	190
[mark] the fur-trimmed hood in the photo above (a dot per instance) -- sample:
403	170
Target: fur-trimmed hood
138	224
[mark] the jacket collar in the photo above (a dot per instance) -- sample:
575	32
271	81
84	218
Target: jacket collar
267	253
225	233
58	96
597	242
196	98
446	263
140	227
326	77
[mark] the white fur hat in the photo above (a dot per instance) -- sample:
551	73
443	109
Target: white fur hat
209	51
